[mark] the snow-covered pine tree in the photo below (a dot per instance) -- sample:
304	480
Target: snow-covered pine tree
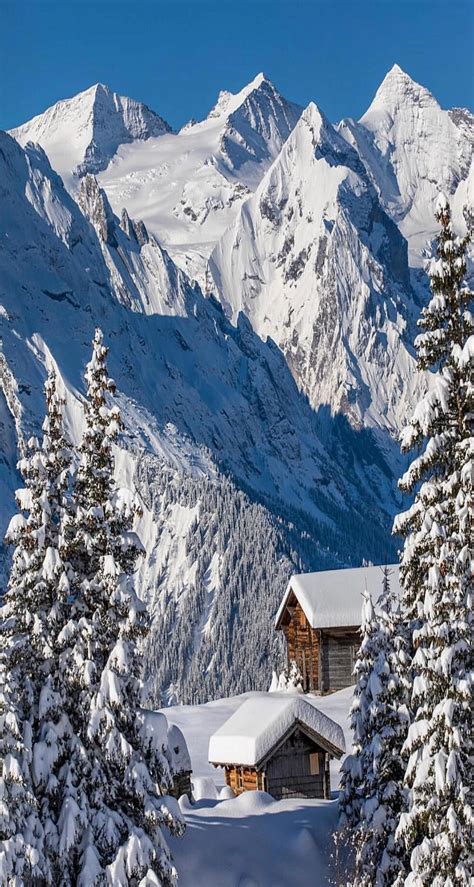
123	769
436	574
290	679
20	828
380	860
32	615
353	783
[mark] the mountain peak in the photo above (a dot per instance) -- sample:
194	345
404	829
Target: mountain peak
96	87
313	116
81	134
228	102
398	88
256	82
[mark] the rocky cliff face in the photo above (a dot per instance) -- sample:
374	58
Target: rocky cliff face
413	149
316	264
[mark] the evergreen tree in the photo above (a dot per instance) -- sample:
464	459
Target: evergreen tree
353	784
20	828
33	614
115	835
436	574
372	796
380	859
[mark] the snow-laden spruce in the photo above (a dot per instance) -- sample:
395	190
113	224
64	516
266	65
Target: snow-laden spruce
115	837
380	859
352	779
371	788
35	734
436	574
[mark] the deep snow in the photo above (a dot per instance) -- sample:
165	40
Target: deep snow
251	841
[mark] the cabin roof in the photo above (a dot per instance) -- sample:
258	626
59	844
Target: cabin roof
261	723
333	598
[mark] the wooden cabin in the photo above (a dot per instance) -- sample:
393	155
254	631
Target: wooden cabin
278	743
320	618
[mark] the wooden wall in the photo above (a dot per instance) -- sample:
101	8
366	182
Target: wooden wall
325	657
298	769
339	651
243	779
288	772
303	646
181	784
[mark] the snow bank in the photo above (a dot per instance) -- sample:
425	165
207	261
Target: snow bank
257	726
254	841
334	598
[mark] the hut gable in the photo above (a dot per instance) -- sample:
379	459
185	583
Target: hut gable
320	618
263	723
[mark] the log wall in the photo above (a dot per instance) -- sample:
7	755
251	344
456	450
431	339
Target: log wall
182	784
325	657
303	646
243	779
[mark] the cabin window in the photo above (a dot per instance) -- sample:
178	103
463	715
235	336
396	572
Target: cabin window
314	763
240	779
302	619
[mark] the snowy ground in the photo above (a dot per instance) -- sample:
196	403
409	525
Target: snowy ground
251	841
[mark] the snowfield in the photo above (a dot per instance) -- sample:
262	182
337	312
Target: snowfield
252	840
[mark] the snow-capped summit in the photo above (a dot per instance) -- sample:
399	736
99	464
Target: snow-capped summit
259	120
227	102
82	134
413	149
398	87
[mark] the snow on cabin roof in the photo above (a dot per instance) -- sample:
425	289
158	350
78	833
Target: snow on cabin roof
261	722
333	598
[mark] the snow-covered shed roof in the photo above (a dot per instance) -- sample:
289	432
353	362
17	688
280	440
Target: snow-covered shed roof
262	722
333	598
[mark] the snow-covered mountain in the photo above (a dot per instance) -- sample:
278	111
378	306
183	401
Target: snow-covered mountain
83	133
316	264
413	149
262	409
185	186
188	187
219	442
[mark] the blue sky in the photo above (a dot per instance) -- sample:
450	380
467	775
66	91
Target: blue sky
176	56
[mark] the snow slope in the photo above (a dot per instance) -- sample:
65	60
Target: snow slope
261	842
315	263
83	133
